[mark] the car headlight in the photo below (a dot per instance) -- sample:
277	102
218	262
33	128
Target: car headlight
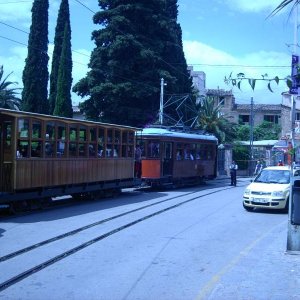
278	194
247	192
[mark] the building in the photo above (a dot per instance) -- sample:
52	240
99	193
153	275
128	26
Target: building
241	113
199	81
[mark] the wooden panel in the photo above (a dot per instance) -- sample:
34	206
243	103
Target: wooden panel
38	173
150	168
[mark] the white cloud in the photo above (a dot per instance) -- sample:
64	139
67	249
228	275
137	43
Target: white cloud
253	5
217	64
15	11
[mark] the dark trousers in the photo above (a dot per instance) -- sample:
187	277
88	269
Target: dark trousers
233	177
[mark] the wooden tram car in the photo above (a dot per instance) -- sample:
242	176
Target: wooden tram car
44	156
172	156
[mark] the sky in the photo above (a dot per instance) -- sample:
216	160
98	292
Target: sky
220	37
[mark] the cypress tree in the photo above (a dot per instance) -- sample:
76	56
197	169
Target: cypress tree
62	19
63	103
35	73
128	62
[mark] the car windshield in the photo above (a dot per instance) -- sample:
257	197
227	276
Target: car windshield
273	176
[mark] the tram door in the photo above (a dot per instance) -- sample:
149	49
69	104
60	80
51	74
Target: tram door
6	157
167	158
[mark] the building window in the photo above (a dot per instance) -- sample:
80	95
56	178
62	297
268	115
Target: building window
297	116
244	119
271	118
221	101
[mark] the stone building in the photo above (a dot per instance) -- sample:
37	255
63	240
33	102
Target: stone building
241	113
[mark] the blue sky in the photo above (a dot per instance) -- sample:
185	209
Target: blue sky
219	37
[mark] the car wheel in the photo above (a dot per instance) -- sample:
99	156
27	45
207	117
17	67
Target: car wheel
248	208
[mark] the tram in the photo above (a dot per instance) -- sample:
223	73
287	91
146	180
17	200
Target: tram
171	155
45	156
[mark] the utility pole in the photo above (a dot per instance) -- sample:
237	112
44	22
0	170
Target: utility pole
161	106
251	137
293	236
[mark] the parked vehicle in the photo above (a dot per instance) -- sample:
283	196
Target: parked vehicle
270	189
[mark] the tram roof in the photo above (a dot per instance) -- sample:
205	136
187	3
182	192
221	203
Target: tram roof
152	131
18	113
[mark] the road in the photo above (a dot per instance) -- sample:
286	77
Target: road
192	243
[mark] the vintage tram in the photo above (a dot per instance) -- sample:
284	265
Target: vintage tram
170	155
44	156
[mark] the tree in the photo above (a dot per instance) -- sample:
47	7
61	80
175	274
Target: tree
35	74
62	19
8	95
264	131
63	103
211	121
130	58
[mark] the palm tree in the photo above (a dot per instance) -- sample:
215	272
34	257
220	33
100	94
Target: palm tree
8	96
283	4
212	121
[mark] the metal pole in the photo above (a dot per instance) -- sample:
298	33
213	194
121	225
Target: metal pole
293	236
161	106
251	137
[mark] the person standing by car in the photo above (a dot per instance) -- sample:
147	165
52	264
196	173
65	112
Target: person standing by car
258	168
233	168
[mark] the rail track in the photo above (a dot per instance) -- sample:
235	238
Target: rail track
156	208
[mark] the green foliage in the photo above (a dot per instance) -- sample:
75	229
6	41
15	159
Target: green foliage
264	131
240	154
35	73
8	95
212	121
63	103
62	19
138	44
240	77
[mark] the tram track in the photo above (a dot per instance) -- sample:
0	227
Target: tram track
38	267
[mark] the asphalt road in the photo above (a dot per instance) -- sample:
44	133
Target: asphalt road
193	243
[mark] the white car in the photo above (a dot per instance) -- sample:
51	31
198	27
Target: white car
270	189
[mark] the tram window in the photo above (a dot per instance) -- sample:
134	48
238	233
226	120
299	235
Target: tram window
22	149
7	135
116	151
142	147
179	154
130	151
23	128
198	155
153	149
109	147
72	149
36	132
92	150
117	139
60	148
93	133
49	146
50	130
61	131
36	149
73	133
82	149
130	137
187	152
209	152
125	137
124	151
193	151
82	134
101	142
